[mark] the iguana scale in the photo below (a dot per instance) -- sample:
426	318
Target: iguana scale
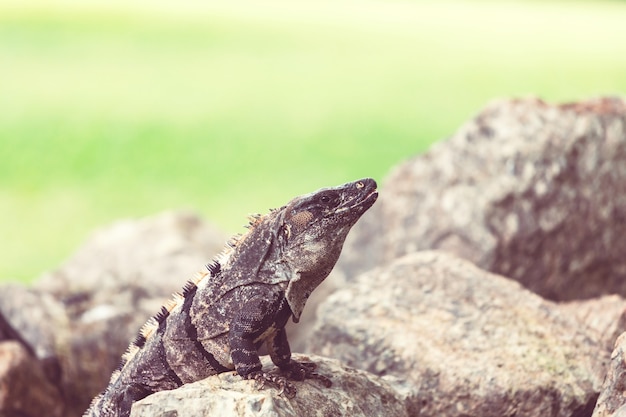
241	301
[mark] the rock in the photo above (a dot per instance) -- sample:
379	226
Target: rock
8	333
25	390
43	326
40	326
612	400
86	312
467	342
604	317
354	393
527	190
149	257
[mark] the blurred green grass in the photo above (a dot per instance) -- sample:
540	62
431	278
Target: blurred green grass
118	109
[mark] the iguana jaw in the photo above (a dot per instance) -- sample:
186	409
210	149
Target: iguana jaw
365	203
363	200
315	235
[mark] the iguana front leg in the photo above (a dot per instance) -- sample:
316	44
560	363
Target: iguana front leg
280	353
263	319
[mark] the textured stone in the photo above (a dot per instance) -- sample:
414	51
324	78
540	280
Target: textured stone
25	390
134	259
604	317
468	342
527	190
41	325
612	400
354	393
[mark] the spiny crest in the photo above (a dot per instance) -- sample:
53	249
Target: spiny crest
234	240
116	373
162	314
176	300
223	257
232	243
153	323
93	403
144	334
130	352
149	327
139	341
188	288
253	220
212	269
191	285
146	331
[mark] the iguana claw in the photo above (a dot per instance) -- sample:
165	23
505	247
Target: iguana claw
300	371
296	371
280	382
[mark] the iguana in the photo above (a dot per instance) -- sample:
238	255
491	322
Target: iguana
241	301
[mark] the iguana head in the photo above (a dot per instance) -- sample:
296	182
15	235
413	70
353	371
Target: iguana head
314	228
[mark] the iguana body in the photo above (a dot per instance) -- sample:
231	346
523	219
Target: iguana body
241	301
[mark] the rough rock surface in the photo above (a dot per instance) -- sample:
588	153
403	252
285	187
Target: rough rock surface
604	317
527	190
469	342
612	400
25	390
135	258
88	310
354	393
42	324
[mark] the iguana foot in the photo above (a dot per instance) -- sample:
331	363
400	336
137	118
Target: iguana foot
296	371
280	382
300	371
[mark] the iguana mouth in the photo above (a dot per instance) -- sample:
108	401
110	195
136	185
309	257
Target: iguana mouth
370	197
368	200
363	200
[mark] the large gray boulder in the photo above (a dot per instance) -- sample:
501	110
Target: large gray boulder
354	393
465	341
528	190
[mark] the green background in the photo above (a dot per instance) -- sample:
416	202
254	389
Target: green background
122	109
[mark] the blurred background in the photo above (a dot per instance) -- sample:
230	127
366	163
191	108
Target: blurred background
113	109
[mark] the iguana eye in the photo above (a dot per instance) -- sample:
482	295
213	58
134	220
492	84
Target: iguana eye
328	199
